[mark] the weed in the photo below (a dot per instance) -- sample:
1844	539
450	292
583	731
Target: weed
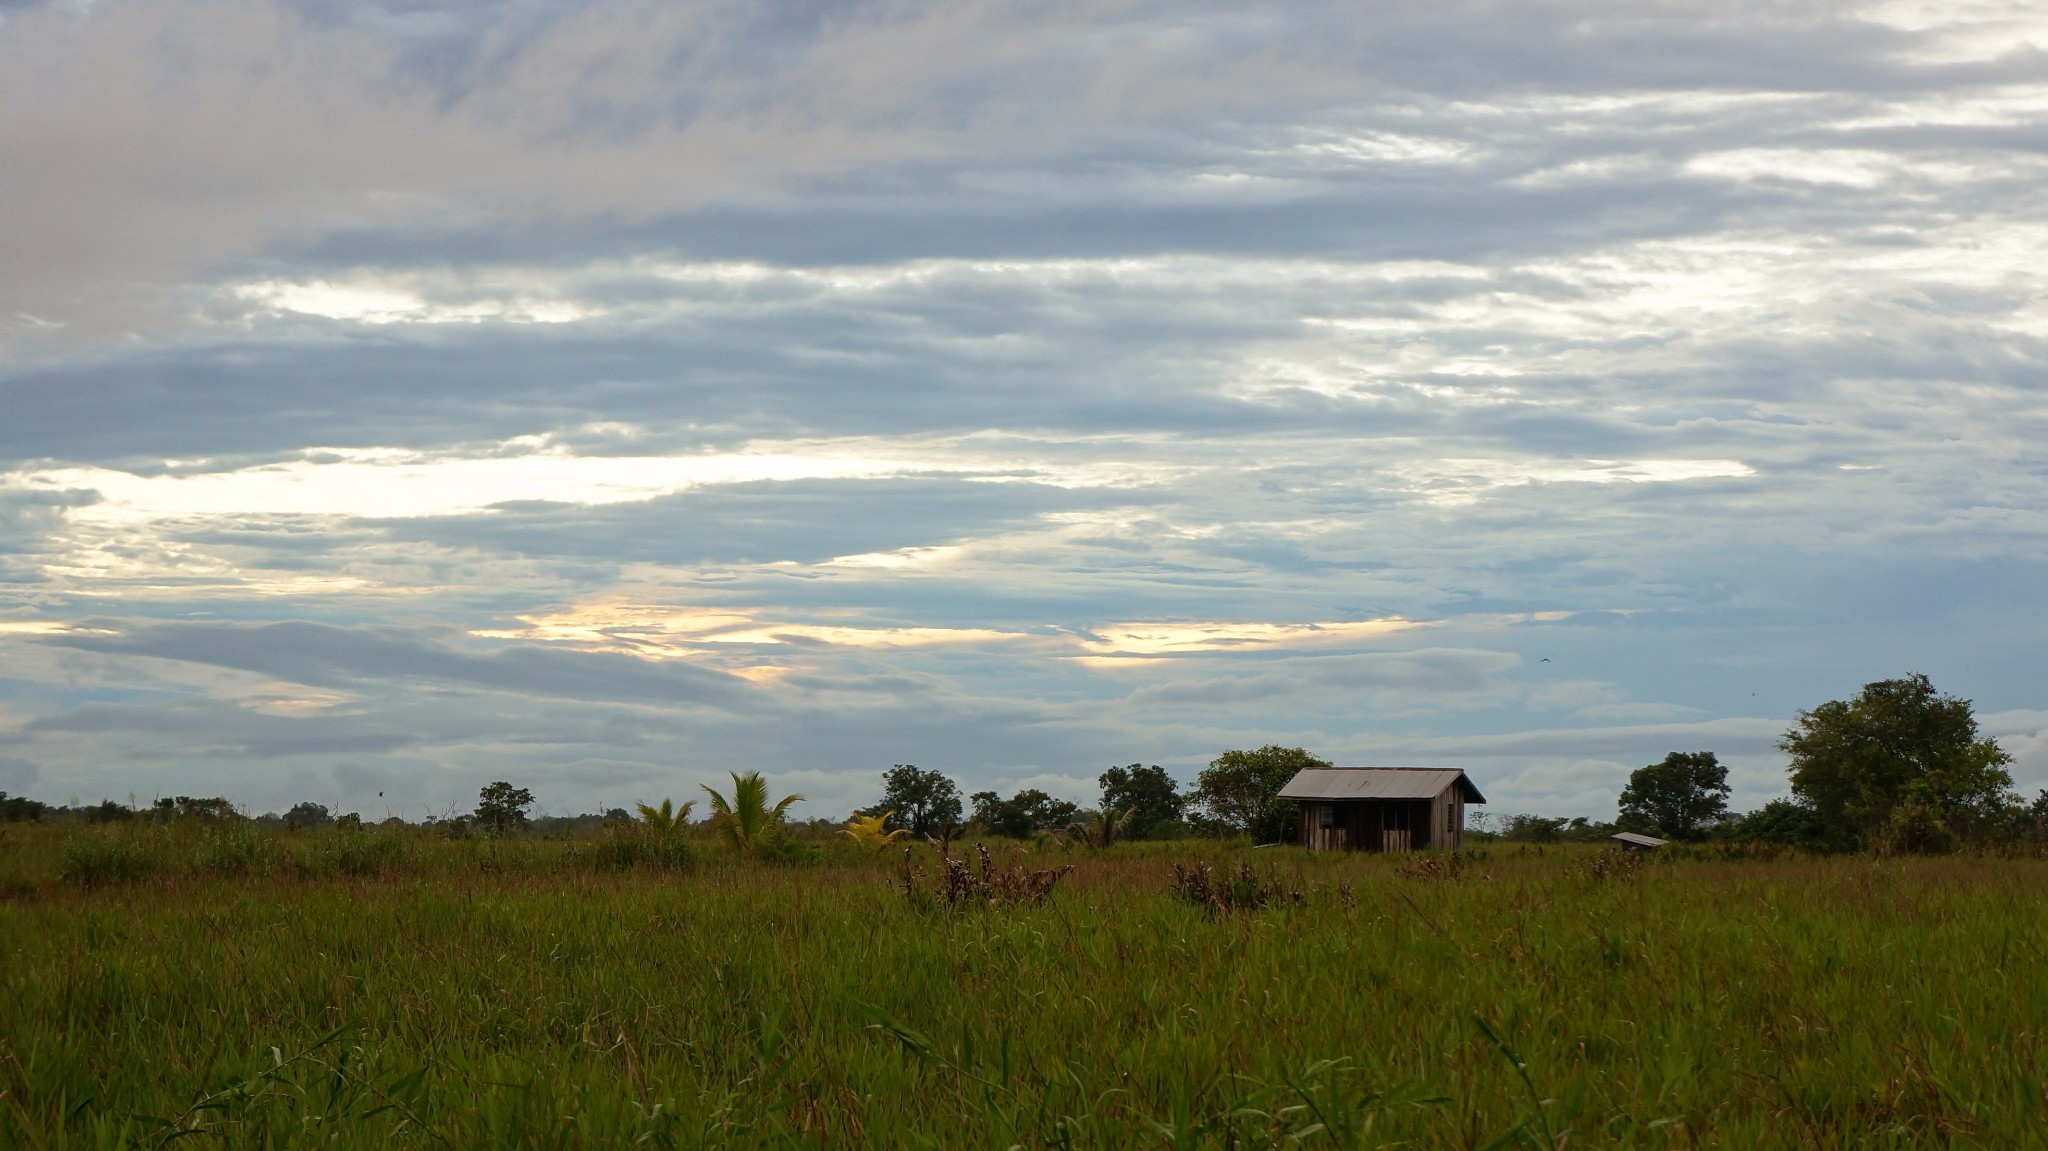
959	885
1233	891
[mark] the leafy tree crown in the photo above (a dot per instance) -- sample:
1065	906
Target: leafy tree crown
1149	795
1239	792
1679	797
502	807
922	802
1855	762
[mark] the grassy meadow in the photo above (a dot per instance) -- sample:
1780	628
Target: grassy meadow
258	988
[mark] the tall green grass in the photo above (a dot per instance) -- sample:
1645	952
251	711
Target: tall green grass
560	996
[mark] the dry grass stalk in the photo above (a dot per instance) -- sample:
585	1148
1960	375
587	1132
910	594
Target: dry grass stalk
959	885
1231	891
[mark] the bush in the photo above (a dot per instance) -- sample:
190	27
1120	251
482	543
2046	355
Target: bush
1781	821
97	859
360	853
626	848
232	850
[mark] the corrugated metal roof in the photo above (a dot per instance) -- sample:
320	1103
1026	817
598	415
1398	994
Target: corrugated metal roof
1378	783
1631	838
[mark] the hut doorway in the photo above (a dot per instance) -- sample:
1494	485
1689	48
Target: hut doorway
1394	827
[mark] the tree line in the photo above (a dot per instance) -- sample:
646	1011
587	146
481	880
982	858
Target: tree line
1901	767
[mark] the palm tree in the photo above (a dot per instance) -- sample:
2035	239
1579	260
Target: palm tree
666	820
868	831
747	821
1102	828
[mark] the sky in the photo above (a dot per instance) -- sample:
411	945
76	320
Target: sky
603	397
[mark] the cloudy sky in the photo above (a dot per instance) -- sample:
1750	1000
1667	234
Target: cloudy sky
603	396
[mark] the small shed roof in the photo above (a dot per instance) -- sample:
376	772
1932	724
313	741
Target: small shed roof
1341	783
1634	840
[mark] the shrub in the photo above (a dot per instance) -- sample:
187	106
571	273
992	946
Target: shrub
626	848
230	850
361	853
97	859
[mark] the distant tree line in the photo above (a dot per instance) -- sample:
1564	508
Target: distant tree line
1900	768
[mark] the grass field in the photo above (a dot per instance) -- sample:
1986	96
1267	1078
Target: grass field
432	994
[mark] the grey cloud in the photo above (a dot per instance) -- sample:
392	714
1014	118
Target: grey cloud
17	774
808	521
721	103
1439	678
1737	735
214	729
324	655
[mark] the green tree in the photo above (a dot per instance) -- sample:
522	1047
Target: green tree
1151	797
1679	797
925	802
1877	768
1029	812
1239	792
747	822
20	808
1783	821
502	807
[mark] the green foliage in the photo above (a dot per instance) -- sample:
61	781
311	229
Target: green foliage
557	1003
924	802
353	852
1239	792
501	808
628	847
96	859
1787	822
20	808
1148	793
1855	762
746	822
871	831
1679	797
1100	829
1028	813
185	807
308	814
666	821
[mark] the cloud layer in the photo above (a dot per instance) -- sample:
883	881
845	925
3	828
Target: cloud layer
613	394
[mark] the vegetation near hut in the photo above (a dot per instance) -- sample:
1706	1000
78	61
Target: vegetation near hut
1239	792
1150	795
1680	797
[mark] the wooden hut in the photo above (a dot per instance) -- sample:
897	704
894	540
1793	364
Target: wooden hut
1634	842
1382	808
